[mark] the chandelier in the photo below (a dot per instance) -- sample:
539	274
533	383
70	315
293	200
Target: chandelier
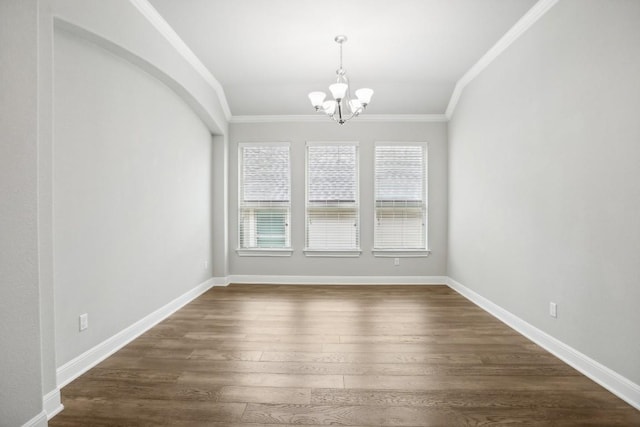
343	107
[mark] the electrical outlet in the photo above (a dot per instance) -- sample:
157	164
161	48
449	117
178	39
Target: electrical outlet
206	264
553	309
84	321
396	261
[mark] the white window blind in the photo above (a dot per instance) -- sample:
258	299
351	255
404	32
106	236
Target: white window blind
265	196
332	196
400	196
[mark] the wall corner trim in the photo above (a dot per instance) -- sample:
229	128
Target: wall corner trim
39	420
523	24
87	360
622	387
52	404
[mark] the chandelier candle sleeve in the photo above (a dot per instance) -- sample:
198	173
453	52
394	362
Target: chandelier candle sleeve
343	107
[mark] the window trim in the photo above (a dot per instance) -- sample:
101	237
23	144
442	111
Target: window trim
266	252
270	252
403	252
331	253
336	253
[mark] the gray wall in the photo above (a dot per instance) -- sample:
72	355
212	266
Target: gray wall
133	31
366	133
132	195
544	179
20	354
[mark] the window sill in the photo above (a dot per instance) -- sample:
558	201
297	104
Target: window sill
401	253
264	252
349	253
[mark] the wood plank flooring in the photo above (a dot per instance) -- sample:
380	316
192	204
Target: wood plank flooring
250	355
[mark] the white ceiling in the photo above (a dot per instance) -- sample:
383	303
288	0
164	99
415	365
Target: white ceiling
269	54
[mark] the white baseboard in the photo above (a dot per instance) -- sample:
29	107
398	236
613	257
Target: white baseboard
338	280
51	403
612	381
221	281
87	360
622	387
39	420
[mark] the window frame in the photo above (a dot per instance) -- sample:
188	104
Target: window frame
336	252
403	252
266	251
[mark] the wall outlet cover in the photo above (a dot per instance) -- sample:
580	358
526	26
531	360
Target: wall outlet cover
553	309
84	321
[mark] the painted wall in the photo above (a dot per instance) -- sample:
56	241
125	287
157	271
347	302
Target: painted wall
132	194
20	354
134	31
366	133
544	179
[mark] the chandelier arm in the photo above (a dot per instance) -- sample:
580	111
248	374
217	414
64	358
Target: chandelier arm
338	117
333	117
352	115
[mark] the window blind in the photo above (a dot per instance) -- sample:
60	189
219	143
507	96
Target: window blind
332	197
265	196
400	196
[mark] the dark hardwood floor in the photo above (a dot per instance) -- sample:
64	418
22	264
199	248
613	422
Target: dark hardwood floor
249	355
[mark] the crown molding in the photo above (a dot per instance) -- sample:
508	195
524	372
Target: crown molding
309	118
300	118
163	27
527	20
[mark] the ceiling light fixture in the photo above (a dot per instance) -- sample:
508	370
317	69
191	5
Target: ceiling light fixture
342	107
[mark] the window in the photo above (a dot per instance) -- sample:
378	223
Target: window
265	198
400	198
332	222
